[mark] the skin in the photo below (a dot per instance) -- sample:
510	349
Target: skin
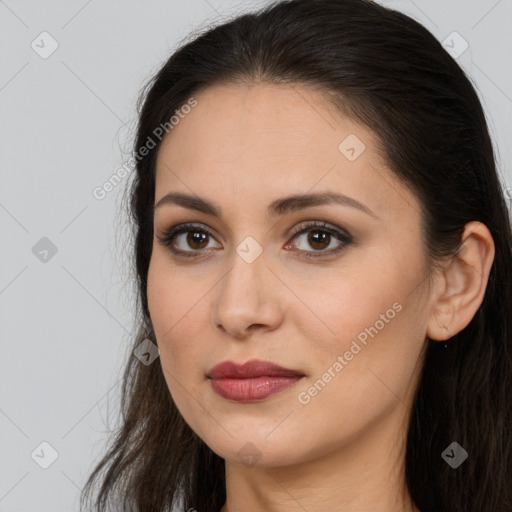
242	147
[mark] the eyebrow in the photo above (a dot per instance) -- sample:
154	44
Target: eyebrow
277	208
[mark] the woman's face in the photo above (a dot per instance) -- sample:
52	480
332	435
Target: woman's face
345	304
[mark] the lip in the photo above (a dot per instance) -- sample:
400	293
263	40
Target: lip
250	369
254	380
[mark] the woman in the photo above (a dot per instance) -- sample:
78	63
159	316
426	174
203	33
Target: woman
323	255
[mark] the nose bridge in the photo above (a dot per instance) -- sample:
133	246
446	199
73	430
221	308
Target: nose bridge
244	296
247	268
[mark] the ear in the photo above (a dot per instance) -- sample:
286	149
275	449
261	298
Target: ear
461	283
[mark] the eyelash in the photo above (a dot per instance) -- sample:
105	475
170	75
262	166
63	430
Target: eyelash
167	238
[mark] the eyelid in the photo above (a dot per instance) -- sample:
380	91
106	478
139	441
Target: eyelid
321	225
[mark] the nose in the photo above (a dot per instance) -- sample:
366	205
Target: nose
249	298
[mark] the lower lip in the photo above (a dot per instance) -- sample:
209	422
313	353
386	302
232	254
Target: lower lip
251	390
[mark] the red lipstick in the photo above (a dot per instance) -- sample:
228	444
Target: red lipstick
255	380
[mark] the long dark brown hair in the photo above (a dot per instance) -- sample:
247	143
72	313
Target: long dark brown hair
383	69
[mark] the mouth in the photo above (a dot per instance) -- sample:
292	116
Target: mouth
253	381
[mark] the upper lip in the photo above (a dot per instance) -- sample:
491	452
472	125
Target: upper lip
250	369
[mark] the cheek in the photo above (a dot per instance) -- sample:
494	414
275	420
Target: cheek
177	310
345	304
364	374
173	314
371	329
170	296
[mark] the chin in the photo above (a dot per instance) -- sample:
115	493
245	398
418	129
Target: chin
257	451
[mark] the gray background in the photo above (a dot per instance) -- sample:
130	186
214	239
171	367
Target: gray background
66	125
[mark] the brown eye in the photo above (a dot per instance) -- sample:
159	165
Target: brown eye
186	239
317	239
196	239
322	238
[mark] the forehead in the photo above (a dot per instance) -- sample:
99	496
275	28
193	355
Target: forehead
266	141
263	121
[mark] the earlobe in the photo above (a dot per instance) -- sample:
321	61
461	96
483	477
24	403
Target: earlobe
437	328
462	283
